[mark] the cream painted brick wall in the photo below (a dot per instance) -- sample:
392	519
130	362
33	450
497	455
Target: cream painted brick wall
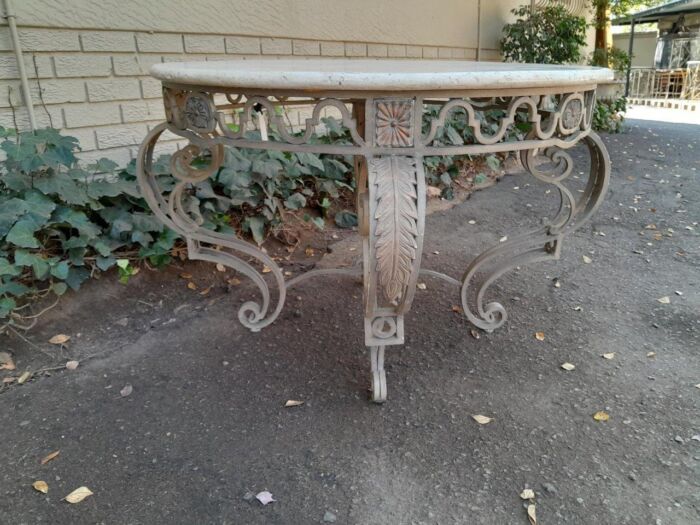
117	136
83	65
108	41
276	46
243	45
204	44
113	89
159	43
306	47
84	115
95	84
333	49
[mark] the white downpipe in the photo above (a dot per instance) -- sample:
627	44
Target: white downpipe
10	15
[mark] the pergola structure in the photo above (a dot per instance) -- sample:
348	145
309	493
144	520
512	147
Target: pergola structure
682	78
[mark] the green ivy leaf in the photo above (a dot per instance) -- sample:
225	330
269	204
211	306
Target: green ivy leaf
62	185
105	263
11	210
76	219
346	219
257	228
59	288
60	270
7	304
295	201
40	266
76	276
22	234
454	136
7	268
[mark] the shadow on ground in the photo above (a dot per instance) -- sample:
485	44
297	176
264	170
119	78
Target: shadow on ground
205	425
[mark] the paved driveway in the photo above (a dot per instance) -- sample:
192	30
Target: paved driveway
204	427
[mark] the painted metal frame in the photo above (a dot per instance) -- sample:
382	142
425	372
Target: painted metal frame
389	140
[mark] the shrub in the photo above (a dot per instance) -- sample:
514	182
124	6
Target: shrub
547	35
614	58
609	115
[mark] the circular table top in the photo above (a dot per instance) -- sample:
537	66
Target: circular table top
375	75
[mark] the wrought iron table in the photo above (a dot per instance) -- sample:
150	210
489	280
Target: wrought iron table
383	106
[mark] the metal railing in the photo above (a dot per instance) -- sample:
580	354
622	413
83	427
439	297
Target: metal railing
665	83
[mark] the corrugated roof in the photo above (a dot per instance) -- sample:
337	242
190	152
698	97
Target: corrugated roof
675	8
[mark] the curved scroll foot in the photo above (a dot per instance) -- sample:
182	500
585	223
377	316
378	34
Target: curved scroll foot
378	375
543	244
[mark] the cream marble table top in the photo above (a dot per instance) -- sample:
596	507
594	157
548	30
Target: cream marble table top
395	113
379	75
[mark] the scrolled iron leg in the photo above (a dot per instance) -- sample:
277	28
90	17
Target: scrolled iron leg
378	375
545	243
202	243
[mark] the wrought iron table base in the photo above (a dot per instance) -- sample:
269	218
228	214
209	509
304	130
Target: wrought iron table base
389	142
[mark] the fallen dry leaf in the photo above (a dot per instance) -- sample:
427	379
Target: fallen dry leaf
568	366
609	355
6	362
421	286
40	486
539	336
664	300
51	456
234	281
601	416
456	309
78	495
266	269
186	275
587	259
309	251
531	515
9	379
527	494
72	365
433	191
264	497
293	403
127	390
191	285
220	267
651	354
59	339
482	420
24	377
206	290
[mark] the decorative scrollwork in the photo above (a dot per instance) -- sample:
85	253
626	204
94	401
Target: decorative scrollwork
544	243
202	243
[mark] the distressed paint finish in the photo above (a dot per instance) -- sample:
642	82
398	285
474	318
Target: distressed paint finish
388	138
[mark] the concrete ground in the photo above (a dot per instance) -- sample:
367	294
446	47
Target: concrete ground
204	428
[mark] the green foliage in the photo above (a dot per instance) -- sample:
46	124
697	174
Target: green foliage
609	115
614	58
549	35
60	223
